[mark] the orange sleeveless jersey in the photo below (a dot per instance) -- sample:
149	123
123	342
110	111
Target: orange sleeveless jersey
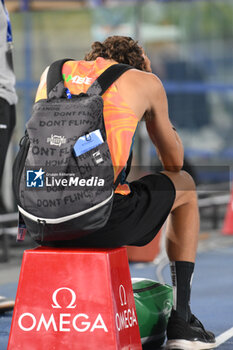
120	120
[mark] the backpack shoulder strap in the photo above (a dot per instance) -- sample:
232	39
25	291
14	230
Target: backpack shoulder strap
105	80
55	82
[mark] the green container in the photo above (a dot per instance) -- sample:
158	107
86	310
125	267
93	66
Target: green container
153	303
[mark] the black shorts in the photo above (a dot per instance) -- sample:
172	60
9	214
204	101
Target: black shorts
137	217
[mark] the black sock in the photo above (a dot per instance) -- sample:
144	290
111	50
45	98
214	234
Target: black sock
181	274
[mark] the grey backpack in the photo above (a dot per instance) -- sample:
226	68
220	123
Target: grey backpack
63	177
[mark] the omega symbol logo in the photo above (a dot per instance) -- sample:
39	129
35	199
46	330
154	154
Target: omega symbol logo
71	305
122	295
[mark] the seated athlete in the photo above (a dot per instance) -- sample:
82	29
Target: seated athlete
140	208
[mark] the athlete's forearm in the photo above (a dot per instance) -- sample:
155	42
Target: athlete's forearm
171	156
179	155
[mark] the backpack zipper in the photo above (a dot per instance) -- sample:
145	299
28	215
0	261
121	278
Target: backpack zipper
145	289
63	218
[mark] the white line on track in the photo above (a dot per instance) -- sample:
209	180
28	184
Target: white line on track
222	338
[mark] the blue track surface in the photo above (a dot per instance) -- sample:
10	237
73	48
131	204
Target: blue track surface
212	297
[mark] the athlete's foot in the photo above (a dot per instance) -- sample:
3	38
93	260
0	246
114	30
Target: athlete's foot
190	335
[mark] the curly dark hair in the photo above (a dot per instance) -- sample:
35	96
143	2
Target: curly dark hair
122	49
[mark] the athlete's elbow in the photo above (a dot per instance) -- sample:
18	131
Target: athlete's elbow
174	165
173	168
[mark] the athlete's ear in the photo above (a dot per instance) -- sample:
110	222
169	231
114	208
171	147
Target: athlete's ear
147	62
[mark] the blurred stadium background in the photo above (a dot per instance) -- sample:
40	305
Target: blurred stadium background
190	45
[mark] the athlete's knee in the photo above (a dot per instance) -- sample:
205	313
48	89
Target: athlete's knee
182	180
185	189
188	180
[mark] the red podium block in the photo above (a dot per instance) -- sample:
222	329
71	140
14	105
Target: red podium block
71	299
